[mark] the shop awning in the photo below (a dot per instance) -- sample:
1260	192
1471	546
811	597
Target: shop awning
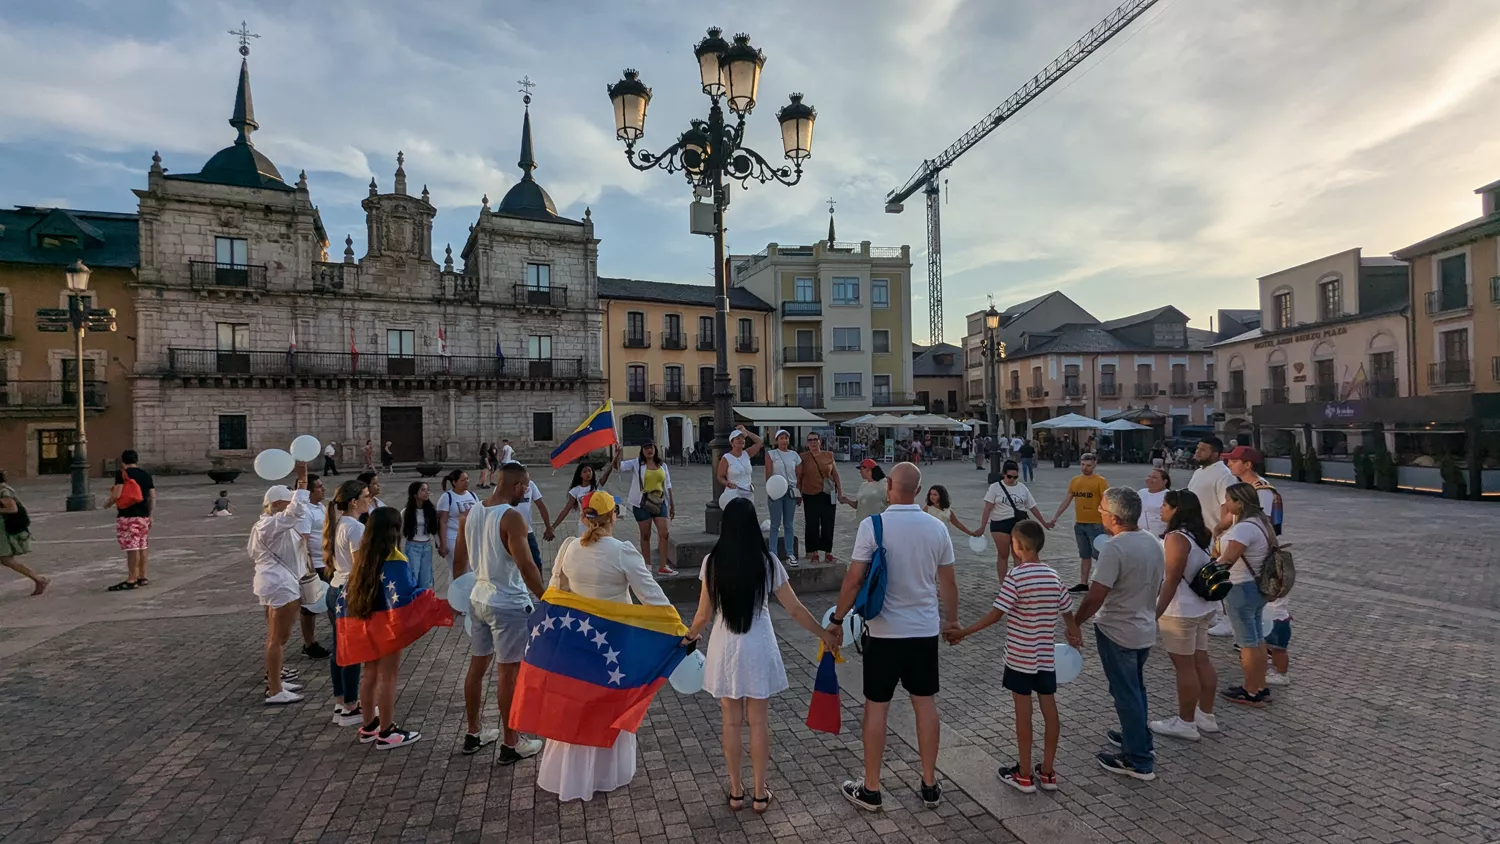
779	416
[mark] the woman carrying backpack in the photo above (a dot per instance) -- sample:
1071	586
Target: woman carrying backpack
1246	547
15	538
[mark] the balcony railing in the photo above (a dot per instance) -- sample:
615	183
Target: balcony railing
465	287
705	342
539	297
804	399
1074	391
1109	391
1442	301
328	277
677	341
206	274
1035	393
1233	399
52	395
796	309
1146	389
679	394
1322	392
637	339
746	344
802	354
208	362
1451	373
1274	395
1382	388
886	398
1013	394
1179	390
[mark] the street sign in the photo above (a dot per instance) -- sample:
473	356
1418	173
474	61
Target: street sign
1219	416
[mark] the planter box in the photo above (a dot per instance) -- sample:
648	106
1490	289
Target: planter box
1420	478
1338	471
1279	466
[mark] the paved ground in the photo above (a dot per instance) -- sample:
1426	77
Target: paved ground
136	716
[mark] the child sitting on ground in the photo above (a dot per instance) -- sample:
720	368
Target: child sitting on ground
221	505
1031	599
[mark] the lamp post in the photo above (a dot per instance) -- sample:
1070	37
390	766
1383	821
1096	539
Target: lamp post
992	388
710	154
79	498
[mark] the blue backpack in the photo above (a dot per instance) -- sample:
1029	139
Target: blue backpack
871	598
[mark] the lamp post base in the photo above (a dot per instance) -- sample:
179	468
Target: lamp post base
79	497
77	503
712	516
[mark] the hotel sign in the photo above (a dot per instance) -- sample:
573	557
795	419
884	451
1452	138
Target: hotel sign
1303	337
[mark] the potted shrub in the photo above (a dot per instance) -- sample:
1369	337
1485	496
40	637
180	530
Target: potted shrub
1364	469
1454	485
1312	468
221	472
1298	462
1386	477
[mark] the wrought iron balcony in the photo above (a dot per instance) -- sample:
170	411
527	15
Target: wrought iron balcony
1443	301
203	275
1274	395
1322	392
674	341
1035	393
802	354
1110	390
283	363
524	295
803	398
1179	390
886	398
51	396
746	344
667	395
637	339
1233	399
1013	394
1451	373
1073	391
802	309
1146	389
705	342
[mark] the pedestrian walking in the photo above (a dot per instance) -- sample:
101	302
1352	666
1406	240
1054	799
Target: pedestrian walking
651	501
484	465
901	643
1183	618
507	453
1007	503
1027	452
455	501
134	498
387	457
1245	547
743	666
586	479
1031	601
342	534
1123	593
783	461
419	521
1158	482
818	479
280	562
1085	492
309	493
330	468
15	537
368	452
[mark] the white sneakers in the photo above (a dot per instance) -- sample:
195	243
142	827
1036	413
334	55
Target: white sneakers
1221	627
1205	722
1175	727
1276	678
283	697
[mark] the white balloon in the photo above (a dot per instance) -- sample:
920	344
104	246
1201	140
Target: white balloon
458	592
979	544
853	625
776	487
273	464
319	606
1067	661
687	678
306	448
765	526
1100	541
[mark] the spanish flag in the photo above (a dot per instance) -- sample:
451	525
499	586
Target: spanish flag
596	432
592	667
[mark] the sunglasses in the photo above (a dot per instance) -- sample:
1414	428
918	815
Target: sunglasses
1012	476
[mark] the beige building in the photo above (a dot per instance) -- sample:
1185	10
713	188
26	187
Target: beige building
38	369
1040	314
840	337
659	354
938	373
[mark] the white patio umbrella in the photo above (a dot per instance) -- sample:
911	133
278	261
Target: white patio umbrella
1124	425
858	420
1069	422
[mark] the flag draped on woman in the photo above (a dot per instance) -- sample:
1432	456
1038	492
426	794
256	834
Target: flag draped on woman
402	615
597	431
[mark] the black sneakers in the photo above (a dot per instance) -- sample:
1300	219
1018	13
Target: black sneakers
1118	764
1078	588
855	792
932	794
314	651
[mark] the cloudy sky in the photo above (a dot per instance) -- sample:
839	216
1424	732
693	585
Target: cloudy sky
1213	142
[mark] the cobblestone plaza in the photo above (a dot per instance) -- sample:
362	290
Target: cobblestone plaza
137	716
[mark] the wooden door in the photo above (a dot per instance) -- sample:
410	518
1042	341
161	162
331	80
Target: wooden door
403	427
54	453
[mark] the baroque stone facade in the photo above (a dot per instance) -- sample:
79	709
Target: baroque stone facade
249	336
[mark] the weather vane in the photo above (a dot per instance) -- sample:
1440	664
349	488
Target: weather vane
245	35
526	86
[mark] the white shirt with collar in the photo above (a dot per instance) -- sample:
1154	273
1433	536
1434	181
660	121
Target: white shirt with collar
916	545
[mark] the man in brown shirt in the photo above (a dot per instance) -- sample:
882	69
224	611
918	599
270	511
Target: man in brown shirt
814	473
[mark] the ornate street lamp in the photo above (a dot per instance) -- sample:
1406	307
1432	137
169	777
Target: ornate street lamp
992	388
709	153
79	497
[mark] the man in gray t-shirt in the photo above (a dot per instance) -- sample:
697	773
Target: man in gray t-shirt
1126	580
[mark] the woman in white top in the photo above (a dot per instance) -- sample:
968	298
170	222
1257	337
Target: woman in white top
342	533
1009	501
1183	618
783	461
734	469
455	501
940	506
651	501
275	549
743	667
1157	484
597	566
419	521
586	479
1245	547
872	497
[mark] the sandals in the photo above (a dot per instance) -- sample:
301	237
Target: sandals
143	582
736	802
122	586
761	804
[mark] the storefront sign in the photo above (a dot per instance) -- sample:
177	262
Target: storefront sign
1303	337
1340	410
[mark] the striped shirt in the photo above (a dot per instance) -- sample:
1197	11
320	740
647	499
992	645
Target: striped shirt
1032	598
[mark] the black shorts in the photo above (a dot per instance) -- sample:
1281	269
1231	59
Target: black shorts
911	662
1005	525
1040	683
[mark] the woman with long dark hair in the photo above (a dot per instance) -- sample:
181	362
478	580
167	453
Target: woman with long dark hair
455	501
342	534
484	465
1183	618
419	521
1245	548
651	501
586	479
744	667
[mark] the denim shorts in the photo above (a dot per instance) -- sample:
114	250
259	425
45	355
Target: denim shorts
1243	605
1280	635
1085	533
498	632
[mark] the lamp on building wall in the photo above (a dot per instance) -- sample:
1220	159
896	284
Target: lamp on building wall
709	154
992	387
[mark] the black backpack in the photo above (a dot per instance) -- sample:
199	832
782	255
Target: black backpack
19	521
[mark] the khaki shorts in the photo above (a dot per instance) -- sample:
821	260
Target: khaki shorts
1183	635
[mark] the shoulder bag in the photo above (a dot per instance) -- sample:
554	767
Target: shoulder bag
651	502
1021	515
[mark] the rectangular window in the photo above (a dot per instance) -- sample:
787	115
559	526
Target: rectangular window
1278	377
880	293
1143	373
747	384
1107	379
538	277
539	347
673	383
880	388
1330	300
1453	280
705	382
635	383
4	315
880	341
1323	372
400	343
1169	335
1179	376
848	385
541	427
1209	367
233	337
1455	345
806	291
635	324
1070	380
1383	366
846	291
1281	306
232	436
91	396
746	329
706	327
672	324
846	339
1036	377
231	251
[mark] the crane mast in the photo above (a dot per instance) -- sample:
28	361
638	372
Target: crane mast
925	178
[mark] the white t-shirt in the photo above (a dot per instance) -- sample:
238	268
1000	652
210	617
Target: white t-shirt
1016	443
455	505
1209	483
497	581
916	544
328	450
1252	535
419	529
346	539
533	493
1151	520
507	454
1003	510
314	516
785	463
739	474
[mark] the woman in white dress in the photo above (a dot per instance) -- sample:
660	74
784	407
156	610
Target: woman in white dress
280	561
744	667
597	566
734	467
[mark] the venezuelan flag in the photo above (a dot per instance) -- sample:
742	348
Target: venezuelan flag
823	713
402	615
593	666
596	432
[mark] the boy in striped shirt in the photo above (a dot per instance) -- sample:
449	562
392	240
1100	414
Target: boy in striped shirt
1031	599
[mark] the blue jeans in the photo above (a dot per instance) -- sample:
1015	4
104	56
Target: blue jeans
1028	469
345	677
419	554
1125	668
783	519
536	551
1244	605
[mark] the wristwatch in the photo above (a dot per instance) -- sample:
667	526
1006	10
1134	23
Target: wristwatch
833	619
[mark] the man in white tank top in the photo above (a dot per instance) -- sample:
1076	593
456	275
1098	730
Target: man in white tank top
492	543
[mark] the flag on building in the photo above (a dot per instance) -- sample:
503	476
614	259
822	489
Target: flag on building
1357	385
823	713
499	356
353	352
596	432
443	351
592	667
403	613
291	351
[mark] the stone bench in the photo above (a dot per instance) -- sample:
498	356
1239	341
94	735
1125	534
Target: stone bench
685	552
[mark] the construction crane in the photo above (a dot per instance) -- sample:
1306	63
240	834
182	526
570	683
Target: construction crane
926	177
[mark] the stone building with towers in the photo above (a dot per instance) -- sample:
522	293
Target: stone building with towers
249	335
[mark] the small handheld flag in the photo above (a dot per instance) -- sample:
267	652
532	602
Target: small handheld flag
823	713
597	431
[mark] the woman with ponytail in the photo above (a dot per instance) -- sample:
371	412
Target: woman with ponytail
342	533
